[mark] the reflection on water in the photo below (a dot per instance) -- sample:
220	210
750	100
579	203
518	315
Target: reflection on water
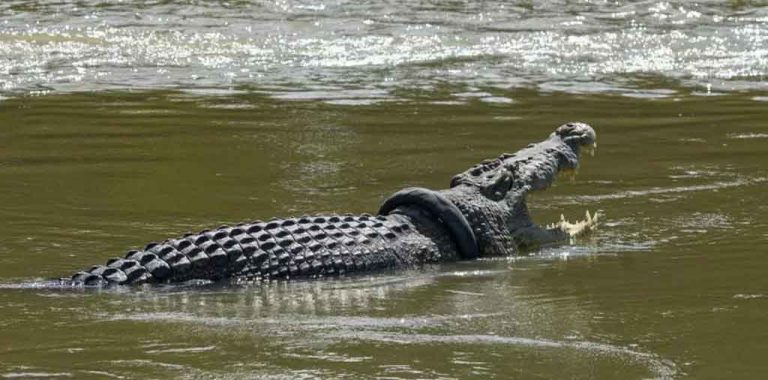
267	314
362	53
327	325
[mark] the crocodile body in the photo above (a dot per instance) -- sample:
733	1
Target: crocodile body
483	213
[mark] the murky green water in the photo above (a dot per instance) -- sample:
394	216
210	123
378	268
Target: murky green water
674	282
123	124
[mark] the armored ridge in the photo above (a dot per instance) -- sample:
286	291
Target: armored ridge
278	249
483	213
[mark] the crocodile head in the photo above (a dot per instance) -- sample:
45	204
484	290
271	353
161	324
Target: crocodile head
492	194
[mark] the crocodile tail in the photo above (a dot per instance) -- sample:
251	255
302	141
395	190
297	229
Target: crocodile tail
279	248
207	255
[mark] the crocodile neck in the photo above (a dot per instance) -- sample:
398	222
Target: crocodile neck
425	224
488	219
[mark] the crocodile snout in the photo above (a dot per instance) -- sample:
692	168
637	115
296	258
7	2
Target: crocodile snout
577	133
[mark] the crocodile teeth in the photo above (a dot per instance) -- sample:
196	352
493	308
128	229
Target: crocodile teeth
590	149
579	227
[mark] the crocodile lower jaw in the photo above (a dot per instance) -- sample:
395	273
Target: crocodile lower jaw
577	228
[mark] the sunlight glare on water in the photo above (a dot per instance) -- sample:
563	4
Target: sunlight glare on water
383	46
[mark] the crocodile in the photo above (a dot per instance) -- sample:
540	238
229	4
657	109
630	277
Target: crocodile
483	213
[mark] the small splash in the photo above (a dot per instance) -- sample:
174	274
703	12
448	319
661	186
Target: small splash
704	221
749	296
497	100
565	252
181	350
650	94
692	172
464	293
36	284
447	102
744	136
507	118
475	94
474	273
35	375
229	106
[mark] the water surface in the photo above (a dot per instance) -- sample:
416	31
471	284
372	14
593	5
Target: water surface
123	125
384	47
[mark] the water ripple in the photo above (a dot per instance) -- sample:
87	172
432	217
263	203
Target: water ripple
382	45
666	190
661	367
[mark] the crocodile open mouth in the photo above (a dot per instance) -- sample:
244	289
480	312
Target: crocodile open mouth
590	222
